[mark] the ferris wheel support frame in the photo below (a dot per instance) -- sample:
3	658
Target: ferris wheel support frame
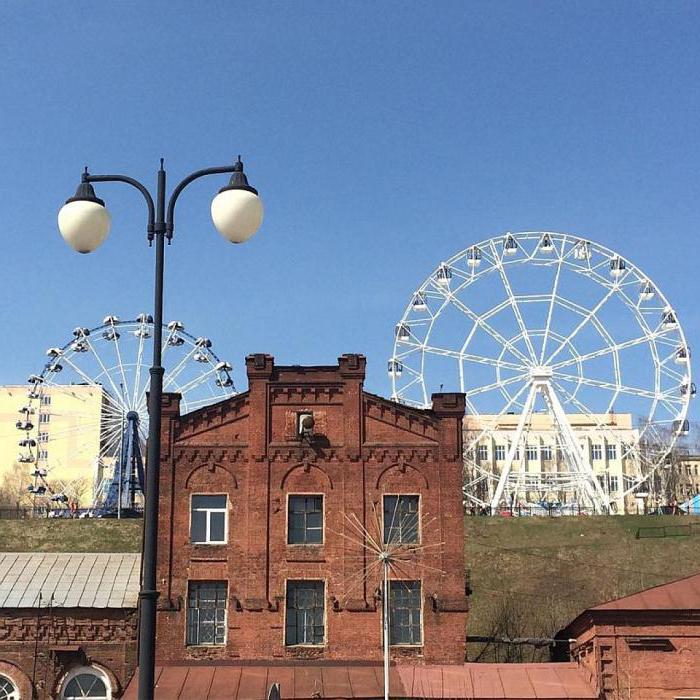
159	227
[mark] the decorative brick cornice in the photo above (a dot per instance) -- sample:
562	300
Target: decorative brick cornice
394	455
311	394
214	416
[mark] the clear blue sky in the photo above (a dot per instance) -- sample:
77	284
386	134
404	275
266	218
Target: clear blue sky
383	138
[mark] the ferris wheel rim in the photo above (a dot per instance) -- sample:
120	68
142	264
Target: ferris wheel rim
655	337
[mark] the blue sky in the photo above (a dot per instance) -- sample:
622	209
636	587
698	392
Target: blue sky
383	137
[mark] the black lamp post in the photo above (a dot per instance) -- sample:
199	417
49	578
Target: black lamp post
84	223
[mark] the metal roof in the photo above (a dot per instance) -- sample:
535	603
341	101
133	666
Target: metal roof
682	594
555	681
69	580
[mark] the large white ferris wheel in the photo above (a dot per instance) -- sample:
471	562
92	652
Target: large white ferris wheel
541	328
86	411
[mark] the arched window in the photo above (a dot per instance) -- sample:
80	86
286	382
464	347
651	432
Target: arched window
8	690
86	682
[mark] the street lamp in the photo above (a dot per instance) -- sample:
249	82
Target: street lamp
84	223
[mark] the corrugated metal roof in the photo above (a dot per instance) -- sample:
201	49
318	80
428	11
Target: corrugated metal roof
554	681
69	580
683	594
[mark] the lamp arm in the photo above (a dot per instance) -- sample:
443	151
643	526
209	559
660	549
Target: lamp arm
134	183
169	219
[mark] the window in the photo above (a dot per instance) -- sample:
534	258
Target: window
500	453
546	452
405	612
44	417
304	617
45	400
43	437
601	480
86	682
206	613
611	451
613	483
401	520
597	451
43	454
531	453
8	690
208	519
305	520
482	453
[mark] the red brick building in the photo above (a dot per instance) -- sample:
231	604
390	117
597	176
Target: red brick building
263	501
67	625
645	646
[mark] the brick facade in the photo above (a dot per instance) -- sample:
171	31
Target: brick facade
39	647
644	646
363	446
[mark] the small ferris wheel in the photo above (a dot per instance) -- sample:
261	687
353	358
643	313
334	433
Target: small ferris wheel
547	329
86	415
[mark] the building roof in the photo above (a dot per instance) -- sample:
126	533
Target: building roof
564	681
682	594
35	579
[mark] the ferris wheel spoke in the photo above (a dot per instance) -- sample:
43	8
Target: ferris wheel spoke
603	351
97	357
500	414
468	357
550	310
479	320
184	388
586	319
497	385
142	332
172	376
514	306
634	391
125	384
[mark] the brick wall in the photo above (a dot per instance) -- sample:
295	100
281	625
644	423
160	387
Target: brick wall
363	447
39	647
640	655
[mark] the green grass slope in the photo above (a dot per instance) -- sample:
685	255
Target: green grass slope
530	576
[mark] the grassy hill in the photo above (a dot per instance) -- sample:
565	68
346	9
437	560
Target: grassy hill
529	576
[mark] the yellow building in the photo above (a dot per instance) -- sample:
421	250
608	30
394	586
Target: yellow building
606	442
67	423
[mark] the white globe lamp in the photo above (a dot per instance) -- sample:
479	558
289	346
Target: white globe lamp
83	220
237	210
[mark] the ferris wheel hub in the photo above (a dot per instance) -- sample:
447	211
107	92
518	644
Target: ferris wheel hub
540	374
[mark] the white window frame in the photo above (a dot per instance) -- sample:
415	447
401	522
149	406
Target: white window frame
611	451
532	453
500	453
597	452
482	453
208	511
44	417
14	693
43	437
95	671
546	453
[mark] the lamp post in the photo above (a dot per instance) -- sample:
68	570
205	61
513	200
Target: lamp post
84	223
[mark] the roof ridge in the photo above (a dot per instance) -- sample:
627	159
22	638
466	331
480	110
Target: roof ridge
645	590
